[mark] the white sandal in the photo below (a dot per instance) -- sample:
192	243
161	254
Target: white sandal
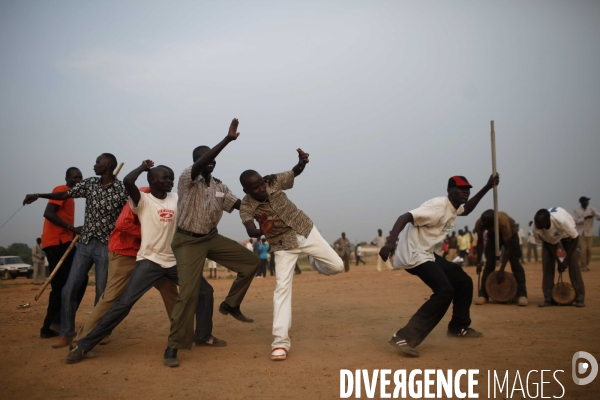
279	354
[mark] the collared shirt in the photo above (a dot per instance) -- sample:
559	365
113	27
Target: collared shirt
506	226
562	226
102	207
585	227
53	235
343	246
36	254
289	219
200	206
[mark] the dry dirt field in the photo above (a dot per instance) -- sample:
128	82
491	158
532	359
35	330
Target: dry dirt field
340	322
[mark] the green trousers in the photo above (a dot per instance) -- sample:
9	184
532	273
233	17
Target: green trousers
190	253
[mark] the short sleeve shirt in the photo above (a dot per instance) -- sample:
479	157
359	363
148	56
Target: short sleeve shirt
433	220
562	226
290	220
53	235
200	206
102	207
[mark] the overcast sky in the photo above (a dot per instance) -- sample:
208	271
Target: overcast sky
390	98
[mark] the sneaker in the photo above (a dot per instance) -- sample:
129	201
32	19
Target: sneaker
523	301
171	358
279	354
481	301
579	303
212	342
75	355
397	341
466	333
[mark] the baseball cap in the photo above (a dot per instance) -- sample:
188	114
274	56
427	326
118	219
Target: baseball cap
583	198
458	181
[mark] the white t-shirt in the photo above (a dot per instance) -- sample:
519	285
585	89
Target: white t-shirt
158	219
432	222
378	241
562	225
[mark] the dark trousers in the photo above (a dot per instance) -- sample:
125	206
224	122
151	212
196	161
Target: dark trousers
262	270
54	254
144	277
450	284
549	266
204	312
346	260
515	264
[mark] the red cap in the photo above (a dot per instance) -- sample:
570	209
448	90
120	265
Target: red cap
458	181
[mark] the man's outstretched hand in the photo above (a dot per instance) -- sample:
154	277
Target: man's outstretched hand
30	198
493	181
302	156
233	133
265	224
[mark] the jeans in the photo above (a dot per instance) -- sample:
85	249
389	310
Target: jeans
262	270
54	254
94	252
515	264
450	284
144	277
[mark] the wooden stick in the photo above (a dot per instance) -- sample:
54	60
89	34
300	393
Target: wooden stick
75	239
496	226
62	259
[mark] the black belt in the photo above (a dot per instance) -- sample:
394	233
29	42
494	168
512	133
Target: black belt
192	234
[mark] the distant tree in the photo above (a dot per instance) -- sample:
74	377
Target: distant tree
17	249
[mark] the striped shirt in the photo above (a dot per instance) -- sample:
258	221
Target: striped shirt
289	222
200	206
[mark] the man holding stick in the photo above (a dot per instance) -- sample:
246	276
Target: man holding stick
105	197
57	235
420	231
552	226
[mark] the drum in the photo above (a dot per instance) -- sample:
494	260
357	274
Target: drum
503	293
563	293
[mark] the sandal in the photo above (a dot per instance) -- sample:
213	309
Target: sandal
279	354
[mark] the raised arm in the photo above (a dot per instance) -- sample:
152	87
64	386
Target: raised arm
303	160
472	203
30	198
391	241
129	180
210	155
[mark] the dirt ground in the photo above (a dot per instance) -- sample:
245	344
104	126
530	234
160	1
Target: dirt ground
340	322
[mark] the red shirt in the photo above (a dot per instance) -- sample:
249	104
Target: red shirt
53	235
126	238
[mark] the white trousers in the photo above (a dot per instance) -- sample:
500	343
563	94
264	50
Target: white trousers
322	258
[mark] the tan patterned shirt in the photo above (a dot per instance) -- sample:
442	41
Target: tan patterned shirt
289	219
200	207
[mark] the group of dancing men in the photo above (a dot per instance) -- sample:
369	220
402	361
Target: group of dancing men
145	237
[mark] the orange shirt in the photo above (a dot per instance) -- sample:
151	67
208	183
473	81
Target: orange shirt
54	235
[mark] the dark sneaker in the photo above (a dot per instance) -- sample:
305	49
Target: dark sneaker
235	312
171	358
579	304
75	355
397	341
546	304
466	333
212	342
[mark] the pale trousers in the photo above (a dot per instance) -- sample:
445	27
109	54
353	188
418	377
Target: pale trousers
324	259
585	244
39	272
380	262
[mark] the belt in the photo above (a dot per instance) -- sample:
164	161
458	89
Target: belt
192	234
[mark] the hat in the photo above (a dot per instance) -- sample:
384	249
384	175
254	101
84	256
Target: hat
583	198
458	181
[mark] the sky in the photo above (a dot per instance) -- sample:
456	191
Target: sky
390	98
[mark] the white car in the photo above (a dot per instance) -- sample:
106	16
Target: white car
13	266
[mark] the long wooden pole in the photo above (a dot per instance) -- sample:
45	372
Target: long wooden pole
496	226
69	249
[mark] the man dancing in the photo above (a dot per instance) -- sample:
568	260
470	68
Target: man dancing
420	230
290	232
201	203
